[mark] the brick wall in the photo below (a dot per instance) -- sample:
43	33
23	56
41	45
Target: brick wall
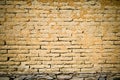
59	36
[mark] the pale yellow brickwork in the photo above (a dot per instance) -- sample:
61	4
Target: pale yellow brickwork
50	36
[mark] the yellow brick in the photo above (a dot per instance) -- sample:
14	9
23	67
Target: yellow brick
39	51
32	55
40	58
16	10
32	42
3	59
114	70
51	70
83	66
80	58
62	59
48	39
39	66
3	51
23	47
18	20
117	42
58	66
51	47
89	70
110	38
9	63
26	71
74	46
18	59
68	39
60	51
7	70
9	55
59	43
69	70
3	67
82	50
17	51
70	55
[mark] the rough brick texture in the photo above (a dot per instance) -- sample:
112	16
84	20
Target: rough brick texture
59	36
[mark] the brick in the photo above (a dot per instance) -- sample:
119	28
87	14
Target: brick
49	70
8	55
117	42
32	62
110	38
51	47
67	23
68	39
40	58
111	62
69	70
27	71
16	10
63	19
48	39
49	55
3	59
60	51
60	66
59	43
6	6
83	66
109	46
18	20
81	59
62	59
32	54
89	70
77	42
39	51
107	42
58	62
9	63
32	42
8	15
82	50
23	47
39	66
109	70
18	59
69	55
17	51
7	70
3	51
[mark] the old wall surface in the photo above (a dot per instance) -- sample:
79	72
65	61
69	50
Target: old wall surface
79	37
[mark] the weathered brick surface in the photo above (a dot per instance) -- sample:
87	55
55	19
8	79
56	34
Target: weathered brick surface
66	36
